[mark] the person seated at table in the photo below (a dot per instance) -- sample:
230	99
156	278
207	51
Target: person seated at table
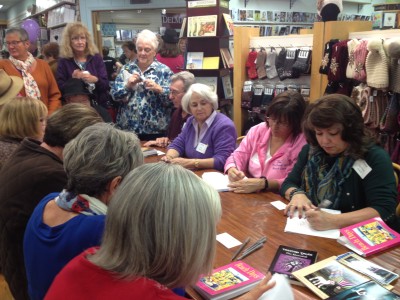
208	137
137	258
341	168
180	84
64	224
269	151
20	118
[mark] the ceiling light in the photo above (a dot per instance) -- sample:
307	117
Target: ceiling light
1	5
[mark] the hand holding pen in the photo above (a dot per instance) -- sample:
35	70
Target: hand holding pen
234	173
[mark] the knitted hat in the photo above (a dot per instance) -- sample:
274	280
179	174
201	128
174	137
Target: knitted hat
326	60
251	64
392	49
351	66
280	62
339	61
377	65
260	64
360	56
329	9
9	86
270	64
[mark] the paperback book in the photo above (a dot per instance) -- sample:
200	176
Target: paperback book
228	281
200	26
211	63
367	290
210	81
148	151
369	237
227	57
194	60
229	23
227	86
288	260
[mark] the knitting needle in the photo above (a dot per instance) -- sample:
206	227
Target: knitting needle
259	246
240	248
259	242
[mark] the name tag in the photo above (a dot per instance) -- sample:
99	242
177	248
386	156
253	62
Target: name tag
362	168
201	148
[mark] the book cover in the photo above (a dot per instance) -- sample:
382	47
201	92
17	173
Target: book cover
183	27
329	277
288	260
227	86
228	23
200	26
211	62
210	81
363	266
194	60
367	290
226	55
228	281
369	237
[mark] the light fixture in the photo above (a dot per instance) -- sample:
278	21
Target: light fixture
1	5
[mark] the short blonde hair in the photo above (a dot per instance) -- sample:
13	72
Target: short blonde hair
21	117
73	29
204	91
161	224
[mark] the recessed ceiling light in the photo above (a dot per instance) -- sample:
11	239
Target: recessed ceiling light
1	5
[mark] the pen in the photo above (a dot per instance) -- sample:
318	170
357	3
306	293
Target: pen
234	161
259	246
240	248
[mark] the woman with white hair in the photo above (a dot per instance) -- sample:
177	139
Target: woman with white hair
208	138
142	88
149	247
64	224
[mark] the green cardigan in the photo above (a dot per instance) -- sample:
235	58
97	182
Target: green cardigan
376	190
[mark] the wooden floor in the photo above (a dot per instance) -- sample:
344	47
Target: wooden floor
4	290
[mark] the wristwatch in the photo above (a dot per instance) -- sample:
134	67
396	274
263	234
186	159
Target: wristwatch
265	183
196	163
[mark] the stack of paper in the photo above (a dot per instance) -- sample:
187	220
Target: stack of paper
217	180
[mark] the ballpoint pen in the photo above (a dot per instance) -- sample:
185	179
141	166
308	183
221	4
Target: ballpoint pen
259	246
240	248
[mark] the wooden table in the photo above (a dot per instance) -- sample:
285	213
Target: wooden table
253	215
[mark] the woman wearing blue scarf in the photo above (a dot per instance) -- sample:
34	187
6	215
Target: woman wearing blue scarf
341	168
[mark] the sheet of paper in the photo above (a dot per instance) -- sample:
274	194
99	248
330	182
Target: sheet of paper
302	226
279	204
160	152
217	180
227	240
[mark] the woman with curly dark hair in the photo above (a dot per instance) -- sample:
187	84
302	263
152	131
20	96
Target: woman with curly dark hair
341	168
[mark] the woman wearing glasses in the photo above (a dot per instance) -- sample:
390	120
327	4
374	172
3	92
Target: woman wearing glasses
269	151
39	82
80	59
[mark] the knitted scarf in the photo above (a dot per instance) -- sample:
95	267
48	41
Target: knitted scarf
324	176
81	203
31	87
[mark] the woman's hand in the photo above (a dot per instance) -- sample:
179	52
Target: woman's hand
159	142
320	220
235	175
133	80
247	186
299	202
152	86
260	289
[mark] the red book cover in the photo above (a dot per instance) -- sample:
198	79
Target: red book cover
369	237
228	281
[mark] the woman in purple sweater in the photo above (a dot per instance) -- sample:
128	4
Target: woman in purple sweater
208	137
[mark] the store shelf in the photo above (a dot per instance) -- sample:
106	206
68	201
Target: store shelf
50	8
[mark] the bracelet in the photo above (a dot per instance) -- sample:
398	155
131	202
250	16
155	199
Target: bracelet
196	163
265	183
294	192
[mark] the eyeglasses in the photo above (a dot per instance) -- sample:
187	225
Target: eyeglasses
13	43
275	122
175	93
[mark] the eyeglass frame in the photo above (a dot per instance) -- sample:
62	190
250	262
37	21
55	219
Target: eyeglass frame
14	43
276	122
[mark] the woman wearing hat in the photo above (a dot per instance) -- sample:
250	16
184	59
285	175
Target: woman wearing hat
169	53
9	87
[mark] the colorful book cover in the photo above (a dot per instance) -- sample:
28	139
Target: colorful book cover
329	277
211	63
288	260
367	290
202	26
369	237
229	281
229	23
194	60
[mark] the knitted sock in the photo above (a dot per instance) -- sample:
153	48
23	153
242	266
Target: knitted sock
270	64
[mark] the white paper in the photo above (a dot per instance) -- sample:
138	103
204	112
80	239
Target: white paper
278	204
217	180
302	226
281	290
227	240
160	152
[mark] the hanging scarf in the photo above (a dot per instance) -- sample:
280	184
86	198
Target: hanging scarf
324	177
81	203
31	87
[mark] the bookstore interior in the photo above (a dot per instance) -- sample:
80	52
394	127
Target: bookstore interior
248	51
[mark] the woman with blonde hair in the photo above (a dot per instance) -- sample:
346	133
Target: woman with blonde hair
21	117
80	59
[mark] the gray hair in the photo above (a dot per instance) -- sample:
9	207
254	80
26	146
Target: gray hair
97	155
23	34
204	91
161	224
186	77
149	37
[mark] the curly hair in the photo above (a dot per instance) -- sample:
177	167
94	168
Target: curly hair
74	29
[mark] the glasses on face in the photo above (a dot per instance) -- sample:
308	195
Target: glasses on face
276	122
174	93
13	43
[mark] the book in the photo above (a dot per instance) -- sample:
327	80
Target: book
194	60
369	237
289	259
202	3
211	63
210	81
217	180
228	281
227	86
200	26
149	151
363	266
329	277
227	57
366	290
229	23
183	27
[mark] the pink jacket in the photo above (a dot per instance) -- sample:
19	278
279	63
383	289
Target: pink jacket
256	142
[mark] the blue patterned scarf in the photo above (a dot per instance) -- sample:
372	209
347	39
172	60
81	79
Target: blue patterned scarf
81	203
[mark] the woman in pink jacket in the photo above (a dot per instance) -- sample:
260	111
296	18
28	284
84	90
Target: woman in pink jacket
269	151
